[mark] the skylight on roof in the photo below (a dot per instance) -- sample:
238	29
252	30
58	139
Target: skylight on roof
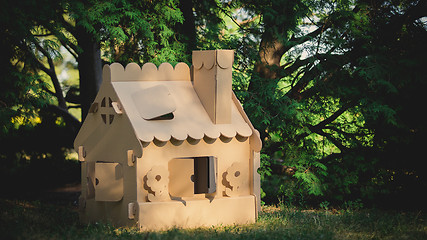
154	103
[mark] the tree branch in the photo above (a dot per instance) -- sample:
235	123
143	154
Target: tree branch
329	64
49	59
301	62
77	106
334	141
296	41
318	128
239	24
327	23
330	157
48	91
70	48
51	72
70	119
295	92
332	118
43	35
70	28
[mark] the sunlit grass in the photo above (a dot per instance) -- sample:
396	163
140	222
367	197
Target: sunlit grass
36	220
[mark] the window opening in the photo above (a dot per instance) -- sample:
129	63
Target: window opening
167	116
105	114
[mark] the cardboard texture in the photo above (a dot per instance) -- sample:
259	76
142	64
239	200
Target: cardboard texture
108	182
169	147
212	82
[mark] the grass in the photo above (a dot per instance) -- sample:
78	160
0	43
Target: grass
22	219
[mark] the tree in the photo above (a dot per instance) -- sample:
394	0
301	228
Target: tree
37	124
334	86
126	31
23	88
329	90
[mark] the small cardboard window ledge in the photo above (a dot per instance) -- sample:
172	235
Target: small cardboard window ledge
93	108
155	103
117	107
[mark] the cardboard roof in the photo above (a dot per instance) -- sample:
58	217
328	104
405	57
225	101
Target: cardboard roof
149	94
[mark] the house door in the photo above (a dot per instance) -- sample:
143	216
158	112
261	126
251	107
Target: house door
190	176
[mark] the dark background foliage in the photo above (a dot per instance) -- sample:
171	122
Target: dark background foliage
335	87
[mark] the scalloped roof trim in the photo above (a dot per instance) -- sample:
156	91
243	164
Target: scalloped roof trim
209	59
148	72
190	118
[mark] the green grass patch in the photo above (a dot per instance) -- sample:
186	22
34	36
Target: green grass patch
21	219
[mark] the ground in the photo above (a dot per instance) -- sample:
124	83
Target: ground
54	215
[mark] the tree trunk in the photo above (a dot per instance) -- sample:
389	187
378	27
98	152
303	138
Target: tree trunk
266	69
188	27
90	69
270	54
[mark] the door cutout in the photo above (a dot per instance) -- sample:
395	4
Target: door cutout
192	176
108	182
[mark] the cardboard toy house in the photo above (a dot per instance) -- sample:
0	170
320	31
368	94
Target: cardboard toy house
169	147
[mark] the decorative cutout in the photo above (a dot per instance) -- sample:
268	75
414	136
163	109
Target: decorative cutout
225	58
157	181
234	177
204	59
107	112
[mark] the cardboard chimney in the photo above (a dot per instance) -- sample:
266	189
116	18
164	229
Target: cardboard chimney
169	147
212	82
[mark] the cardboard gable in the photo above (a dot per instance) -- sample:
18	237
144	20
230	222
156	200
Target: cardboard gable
105	122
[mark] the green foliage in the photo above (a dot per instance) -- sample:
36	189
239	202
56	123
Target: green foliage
21	91
18	108
35	36
36	159
26	94
338	107
132	31
265	172
335	87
